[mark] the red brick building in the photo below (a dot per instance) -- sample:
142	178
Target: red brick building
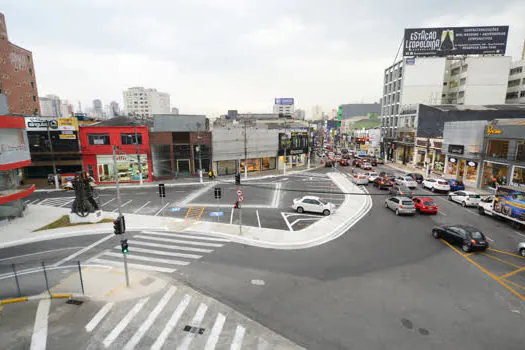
96	148
17	75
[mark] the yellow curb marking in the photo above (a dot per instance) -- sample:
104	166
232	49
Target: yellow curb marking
60	296
515	284
501	260
13	300
512	273
504	252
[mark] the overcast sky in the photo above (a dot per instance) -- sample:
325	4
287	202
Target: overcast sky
215	55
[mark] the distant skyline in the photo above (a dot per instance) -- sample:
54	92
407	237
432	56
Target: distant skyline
211	56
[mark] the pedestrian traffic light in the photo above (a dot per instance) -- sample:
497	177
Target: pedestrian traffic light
236	205
117	226
238	179
124	246
218	193
162	191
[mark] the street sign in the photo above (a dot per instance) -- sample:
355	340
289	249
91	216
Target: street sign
217	213
239	192
175	209
240	198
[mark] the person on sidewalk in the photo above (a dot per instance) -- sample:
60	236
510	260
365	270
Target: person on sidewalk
211	174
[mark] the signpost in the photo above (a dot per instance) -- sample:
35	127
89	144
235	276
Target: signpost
240	198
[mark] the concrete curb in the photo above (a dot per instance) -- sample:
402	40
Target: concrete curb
41	297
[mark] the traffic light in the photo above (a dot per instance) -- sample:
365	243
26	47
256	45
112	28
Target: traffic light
162	191
124	246
119	225
218	193
238	179
236	205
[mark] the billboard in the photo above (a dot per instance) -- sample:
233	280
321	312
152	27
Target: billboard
451	41
55	124
284	101
13	146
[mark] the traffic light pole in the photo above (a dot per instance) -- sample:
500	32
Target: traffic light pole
115	173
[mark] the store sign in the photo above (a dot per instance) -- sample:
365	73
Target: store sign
456	149
67	136
54	124
452	160
472	164
13	146
121	158
491	130
296	151
68	124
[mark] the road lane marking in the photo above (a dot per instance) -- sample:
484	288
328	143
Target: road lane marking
135	339
200	214
515	284
39	336
201	238
161	209
496	278
501	260
34	203
159	252
82	251
168	246
172	322
204	244
38	253
238	338
276	195
119	264
124	322
195	322
231	216
258	219
215	332
296	221
66	203
196	194
122	206
504	252
136	211
286	221
98	317
507	275
111	200
148	259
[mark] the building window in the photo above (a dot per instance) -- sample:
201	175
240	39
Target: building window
445	83
461	94
522	94
98	139
515	82
34	98
455	71
129	139
520	150
462	81
516	70
518	176
16	69
32	85
498	148
30	71
511	95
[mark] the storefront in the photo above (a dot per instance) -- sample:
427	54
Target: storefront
518	176
127	168
293	147
494	174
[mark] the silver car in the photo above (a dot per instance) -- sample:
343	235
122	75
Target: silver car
521	249
400	205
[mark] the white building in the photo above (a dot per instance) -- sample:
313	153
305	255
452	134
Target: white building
146	102
317	113
299	114
52	106
284	106
440	80
516	84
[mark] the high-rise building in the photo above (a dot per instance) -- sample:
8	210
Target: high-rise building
17	81
53	106
145	103
516	84
317	113
114	109
98	110
284	106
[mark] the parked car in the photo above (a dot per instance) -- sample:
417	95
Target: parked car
400	205
485	205
416	176
425	205
521	249
313	204
406	181
401	190
455	185
380	161
467	237
344	162
436	185
465	198
371	176
366	166
360	179
329	163
387	174
383	182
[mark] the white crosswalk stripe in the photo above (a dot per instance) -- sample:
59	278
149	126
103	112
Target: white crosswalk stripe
57	201
154	250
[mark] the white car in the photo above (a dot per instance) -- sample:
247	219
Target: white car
360	179
485	205
407	181
371	176
313	204
436	185
521	249
465	198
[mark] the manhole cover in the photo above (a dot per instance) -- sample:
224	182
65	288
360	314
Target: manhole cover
191	329
74	302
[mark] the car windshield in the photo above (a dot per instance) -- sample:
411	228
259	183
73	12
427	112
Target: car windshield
429	203
476	235
442	182
323	201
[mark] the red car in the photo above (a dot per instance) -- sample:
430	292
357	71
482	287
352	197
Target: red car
344	162
425	205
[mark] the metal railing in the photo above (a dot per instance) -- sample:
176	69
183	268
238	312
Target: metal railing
23	280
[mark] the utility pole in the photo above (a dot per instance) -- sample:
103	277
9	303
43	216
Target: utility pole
115	174
309	146
245	153
138	153
285	146
55	175
199	151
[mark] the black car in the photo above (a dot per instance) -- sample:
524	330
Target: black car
417	177
467	237
383	182
400	190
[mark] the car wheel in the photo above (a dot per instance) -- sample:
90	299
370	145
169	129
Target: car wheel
300	210
522	252
326	212
465	247
463	204
435	234
433	189
386	205
397	211
450	198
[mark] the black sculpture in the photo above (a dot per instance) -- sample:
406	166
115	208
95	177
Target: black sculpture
84	202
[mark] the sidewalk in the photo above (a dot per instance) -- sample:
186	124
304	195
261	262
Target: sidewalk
19	231
194	180
433	175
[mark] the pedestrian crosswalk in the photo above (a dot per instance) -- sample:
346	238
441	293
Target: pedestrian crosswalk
177	318
55	202
161	251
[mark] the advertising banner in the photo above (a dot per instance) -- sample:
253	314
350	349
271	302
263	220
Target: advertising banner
284	101
13	146
491	40
55	124
68	124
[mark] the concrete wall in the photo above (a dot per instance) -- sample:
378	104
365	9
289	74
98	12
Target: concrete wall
179	123
423	81
487	79
467	133
228	144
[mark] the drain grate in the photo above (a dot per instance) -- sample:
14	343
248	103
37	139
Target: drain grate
74	302
191	329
